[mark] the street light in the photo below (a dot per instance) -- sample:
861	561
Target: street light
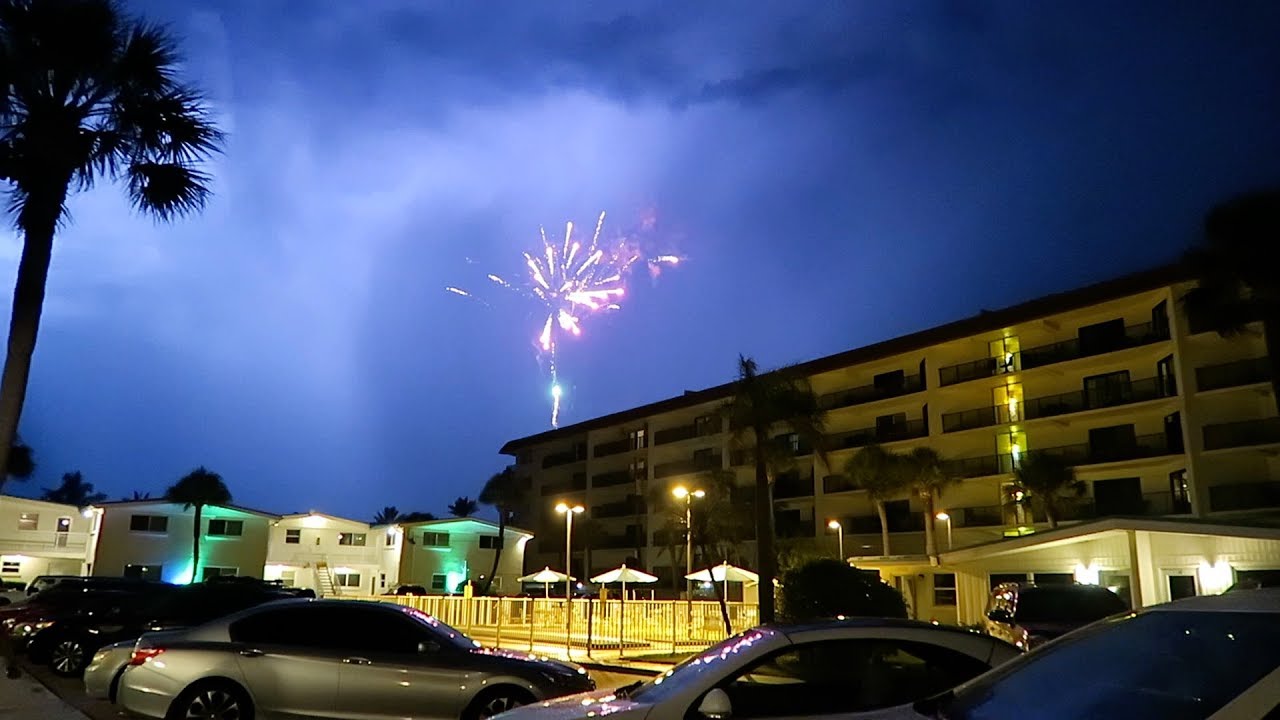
568	512
835	525
687	495
942	515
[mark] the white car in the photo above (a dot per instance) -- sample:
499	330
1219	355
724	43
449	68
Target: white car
1212	657
102	676
857	667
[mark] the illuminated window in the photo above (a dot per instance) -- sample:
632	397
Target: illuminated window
347	579
391	538
149	523
636	439
28	521
293	537
226	528
944	589
355	539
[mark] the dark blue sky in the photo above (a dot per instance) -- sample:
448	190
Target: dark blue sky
836	173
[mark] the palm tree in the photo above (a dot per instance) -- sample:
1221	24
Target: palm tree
196	489
1046	478
762	404
86	93
139	495
880	473
386	515
463	507
21	463
417	517
502	491
928	476
74	491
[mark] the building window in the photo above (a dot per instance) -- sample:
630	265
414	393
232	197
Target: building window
347	579
391	538
211	572
288	577
636	439
355	539
226	528
149	523
489	542
706	425
292	537
10	567
28	521
435	539
944	589
1180	491
437	582
639	471
143	572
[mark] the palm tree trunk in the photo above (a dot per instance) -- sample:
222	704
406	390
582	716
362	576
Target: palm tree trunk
195	547
724	606
930	532
497	552
884	527
766	560
39	219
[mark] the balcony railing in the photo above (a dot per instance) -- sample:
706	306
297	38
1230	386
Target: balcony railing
564	457
980	466
35	541
1233	374
685	432
870	393
837	483
613	447
1115	395
878	434
1143	446
1134	336
1148	504
701	463
1244	496
1242	433
565	486
792	486
632	505
609	479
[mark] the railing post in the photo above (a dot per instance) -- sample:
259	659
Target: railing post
530	611
590	624
672	609
498	641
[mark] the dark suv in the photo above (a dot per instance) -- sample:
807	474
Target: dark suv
1028	615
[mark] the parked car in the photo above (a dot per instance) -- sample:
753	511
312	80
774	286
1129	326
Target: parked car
23	620
68	642
1208	656
334	658
12	591
44	582
851	668
409	590
1028	615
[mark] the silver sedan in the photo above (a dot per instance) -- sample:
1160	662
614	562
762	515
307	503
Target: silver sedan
333	659
102	676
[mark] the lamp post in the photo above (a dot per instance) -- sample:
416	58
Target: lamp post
568	512
683	493
835	525
943	515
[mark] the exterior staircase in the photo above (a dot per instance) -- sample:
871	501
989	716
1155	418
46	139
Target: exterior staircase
324	581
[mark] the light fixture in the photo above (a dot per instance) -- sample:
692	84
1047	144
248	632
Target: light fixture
834	524
562	508
681	492
942	515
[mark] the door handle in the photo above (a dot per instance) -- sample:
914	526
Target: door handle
356	661
247	652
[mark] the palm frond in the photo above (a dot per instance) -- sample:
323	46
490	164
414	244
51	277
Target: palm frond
167	190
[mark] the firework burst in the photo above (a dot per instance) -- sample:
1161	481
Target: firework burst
572	282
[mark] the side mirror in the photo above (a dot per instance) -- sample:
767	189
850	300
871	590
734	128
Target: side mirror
715	705
999	615
429	647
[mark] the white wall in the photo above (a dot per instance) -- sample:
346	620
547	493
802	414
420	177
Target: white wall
43	550
119	546
319	542
463	558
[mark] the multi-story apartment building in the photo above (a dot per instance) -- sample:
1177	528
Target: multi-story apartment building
1160	418
44	538
328	554
441	555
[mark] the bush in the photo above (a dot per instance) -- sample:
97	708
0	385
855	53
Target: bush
827	588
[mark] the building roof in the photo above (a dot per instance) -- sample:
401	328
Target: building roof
161	501
36	501
453	521
313	513
986	321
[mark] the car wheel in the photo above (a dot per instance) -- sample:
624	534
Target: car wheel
212	701
496	700
68	656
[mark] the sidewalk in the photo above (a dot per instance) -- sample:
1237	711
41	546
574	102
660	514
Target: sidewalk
26	698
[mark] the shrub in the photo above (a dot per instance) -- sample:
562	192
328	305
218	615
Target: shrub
827	588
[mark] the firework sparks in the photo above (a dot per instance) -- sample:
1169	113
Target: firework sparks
572	281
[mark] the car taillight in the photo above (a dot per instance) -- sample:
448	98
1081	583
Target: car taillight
141	655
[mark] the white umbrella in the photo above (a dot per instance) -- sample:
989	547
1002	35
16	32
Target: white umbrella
546	576
724	573
623	575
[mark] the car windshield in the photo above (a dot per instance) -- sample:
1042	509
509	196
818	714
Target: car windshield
1165	664
692	669
1067	605
446	634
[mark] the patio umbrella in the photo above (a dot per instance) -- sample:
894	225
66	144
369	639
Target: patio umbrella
723	573
623	575
546	576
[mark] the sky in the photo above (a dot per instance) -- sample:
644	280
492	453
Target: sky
834	173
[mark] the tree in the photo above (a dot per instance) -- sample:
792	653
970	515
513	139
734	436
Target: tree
197	489
21	463
1238	283
87	92
881	474
1046	478
762	404
138	495
74	491
387	515
927	474
827	588
417	517
463	507
501	492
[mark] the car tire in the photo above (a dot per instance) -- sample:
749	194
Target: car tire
68	656
212	700
496	700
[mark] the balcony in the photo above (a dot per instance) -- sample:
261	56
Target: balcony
614	447
564	457
870	393
631	505
609	479
746	456
1145	505
1073	349
46	541
1233	374
1143	446
1244	496
793	485
1113	395
980	466
699	463
978	516
785	527
686	432
889	432
1242	434
576	484
837	483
